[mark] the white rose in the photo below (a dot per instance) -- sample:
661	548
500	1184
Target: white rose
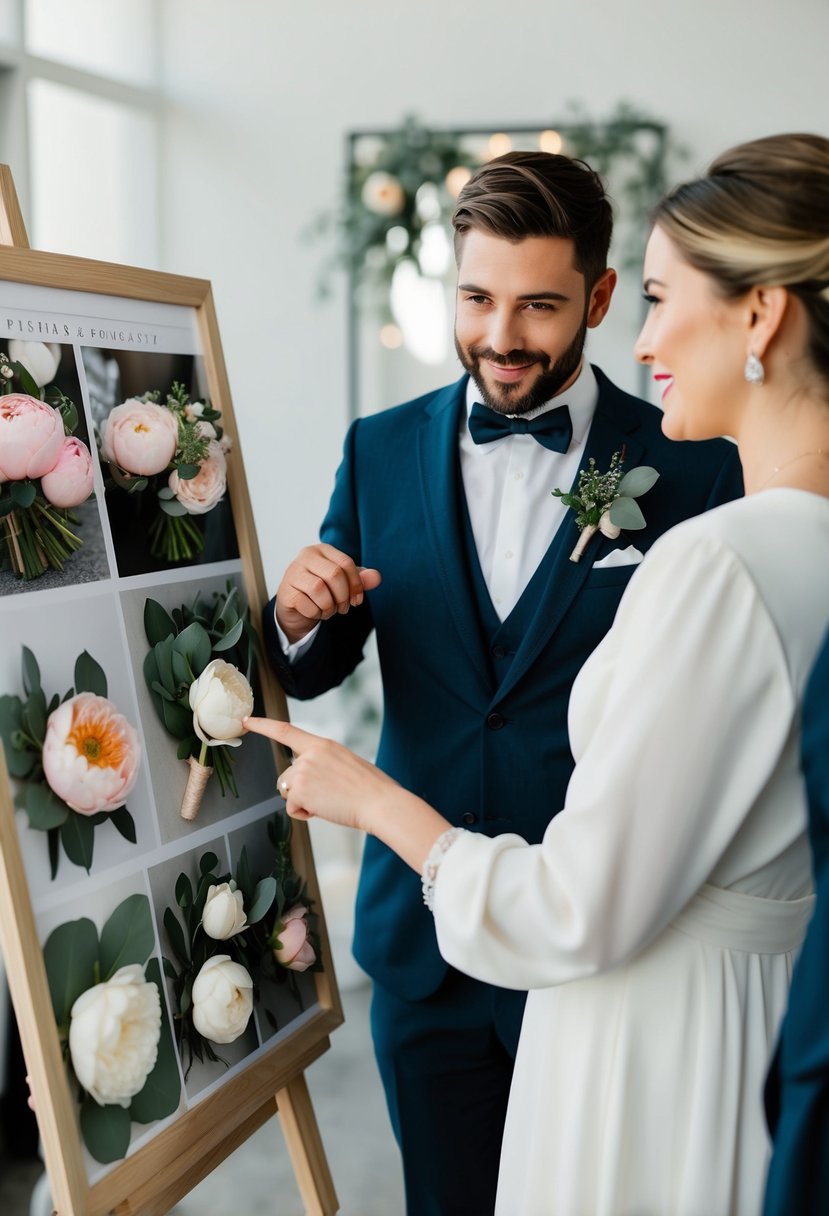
220	698
222	999
224	912
40	359
114	1031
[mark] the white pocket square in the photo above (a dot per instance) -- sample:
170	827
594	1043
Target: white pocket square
620	557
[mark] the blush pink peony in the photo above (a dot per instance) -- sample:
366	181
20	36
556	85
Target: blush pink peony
31	437
69	483
291	940
140	437
200	494
91	754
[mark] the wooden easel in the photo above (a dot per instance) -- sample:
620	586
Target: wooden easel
153	1179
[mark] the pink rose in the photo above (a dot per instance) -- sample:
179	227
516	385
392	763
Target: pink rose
31	437
70	481
140	437
290	940
200	494
90	754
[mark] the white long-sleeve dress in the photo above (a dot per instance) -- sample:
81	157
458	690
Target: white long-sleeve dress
656	922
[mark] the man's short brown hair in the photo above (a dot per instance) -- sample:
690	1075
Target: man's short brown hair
526	194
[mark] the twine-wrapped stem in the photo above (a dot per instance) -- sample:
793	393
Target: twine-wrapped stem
197	780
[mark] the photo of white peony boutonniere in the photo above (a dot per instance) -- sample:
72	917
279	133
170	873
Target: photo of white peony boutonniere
604	502
112	1025
198	672
77	759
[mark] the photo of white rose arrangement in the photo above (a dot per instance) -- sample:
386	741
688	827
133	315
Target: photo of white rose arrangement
198	672
76	758
113	1025
230	934
45	470
174	451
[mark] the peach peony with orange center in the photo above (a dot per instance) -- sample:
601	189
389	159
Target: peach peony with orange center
90	754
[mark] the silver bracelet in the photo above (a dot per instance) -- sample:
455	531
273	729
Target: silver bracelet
432	864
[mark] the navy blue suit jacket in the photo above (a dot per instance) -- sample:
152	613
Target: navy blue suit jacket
797	1091
492	756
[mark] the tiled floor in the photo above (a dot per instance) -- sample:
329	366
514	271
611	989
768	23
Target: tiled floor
258	1179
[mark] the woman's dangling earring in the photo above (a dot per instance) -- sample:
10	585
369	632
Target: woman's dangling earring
753	370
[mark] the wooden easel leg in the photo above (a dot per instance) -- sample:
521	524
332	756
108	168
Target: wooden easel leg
299	1126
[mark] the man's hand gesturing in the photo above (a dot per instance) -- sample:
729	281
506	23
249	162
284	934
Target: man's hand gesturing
319	582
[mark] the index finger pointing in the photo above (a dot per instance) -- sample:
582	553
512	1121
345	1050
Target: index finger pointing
281	732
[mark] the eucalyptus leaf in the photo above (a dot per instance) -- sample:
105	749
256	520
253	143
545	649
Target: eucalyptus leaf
105	1130
637	481
31	672
194	643
77	836
625	513
89	675
124	823
23	493
137	485
172	506
181	669
207	863
43	807
70	955
263	898
127	937
177	720
161	1094
176	935
184	891
7	505
165	492
158	624
188	471
230	638
163	652
34	714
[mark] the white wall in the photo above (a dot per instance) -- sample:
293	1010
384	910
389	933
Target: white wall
262	93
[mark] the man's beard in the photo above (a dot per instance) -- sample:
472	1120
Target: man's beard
551	381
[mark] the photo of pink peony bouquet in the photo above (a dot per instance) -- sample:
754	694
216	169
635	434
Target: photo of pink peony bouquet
77	759
173	450
45	470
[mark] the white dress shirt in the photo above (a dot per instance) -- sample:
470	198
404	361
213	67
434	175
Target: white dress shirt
509	486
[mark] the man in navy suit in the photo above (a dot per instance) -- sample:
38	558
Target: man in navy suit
443	536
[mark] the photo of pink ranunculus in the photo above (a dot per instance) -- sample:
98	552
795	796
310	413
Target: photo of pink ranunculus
31	437
200	494
91	754
69	483
140	437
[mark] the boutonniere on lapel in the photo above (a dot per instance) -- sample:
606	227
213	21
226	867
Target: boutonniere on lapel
605	502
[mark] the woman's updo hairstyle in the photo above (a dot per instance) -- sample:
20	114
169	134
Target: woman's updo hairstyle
760	218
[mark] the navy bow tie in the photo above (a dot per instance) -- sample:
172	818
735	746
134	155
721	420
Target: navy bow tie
552	429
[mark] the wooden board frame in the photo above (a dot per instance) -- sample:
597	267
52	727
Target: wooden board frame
152	1178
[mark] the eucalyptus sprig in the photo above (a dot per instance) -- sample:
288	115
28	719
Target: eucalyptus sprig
182	643
604	502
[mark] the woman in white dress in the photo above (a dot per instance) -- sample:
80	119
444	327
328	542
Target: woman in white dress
657	921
